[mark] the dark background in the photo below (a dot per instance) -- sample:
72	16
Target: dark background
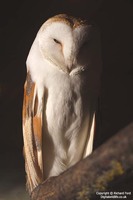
19	23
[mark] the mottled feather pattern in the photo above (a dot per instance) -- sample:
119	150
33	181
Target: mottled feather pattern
69	20
32	133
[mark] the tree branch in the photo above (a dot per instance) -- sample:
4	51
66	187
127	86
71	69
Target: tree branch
108	165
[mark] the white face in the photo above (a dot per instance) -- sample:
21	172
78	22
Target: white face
68	45
67	48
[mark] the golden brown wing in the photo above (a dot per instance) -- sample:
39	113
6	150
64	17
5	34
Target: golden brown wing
32	135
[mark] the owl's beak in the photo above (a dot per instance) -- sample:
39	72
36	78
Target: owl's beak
70	68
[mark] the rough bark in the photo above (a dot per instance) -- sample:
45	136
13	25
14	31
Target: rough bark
110	167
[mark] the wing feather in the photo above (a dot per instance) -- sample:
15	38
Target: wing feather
32	135
90	139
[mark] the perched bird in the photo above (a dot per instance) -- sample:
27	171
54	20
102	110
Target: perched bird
60	97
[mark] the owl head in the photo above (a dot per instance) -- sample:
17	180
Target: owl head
67	44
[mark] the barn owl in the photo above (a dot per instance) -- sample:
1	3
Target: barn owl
60	97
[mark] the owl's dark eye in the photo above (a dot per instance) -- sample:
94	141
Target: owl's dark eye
56	41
